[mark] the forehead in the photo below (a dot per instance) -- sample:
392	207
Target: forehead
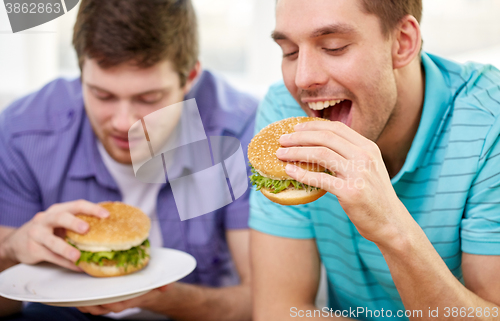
128	78
302	18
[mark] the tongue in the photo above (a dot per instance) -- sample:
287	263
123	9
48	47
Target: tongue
339	112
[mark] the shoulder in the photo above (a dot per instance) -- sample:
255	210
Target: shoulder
49	110
278	104
475	87
222	106
44	123
279	96
475	106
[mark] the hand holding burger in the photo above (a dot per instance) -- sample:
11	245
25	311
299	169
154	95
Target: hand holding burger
269	175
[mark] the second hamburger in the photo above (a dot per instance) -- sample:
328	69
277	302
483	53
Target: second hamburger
113	246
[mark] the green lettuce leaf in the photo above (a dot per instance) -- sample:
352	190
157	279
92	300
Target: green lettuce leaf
133	256
274	185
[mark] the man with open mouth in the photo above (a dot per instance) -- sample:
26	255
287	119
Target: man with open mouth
409	227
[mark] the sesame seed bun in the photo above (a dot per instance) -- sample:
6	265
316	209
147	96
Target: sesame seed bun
293	196
262	149
262	155
125	227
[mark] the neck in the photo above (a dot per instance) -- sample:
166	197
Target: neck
397	137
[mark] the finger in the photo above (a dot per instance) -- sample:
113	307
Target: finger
51	257
65	220
140	301
116	307
325	138
80	207
320	180
94	310
318	155
162	289
58	246
337	127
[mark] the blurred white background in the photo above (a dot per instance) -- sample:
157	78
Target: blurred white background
235	41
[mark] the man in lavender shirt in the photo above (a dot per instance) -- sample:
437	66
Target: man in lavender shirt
65	148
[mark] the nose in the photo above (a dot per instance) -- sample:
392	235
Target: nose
310	72
124	117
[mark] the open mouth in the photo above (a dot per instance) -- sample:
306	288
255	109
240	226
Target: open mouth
334	110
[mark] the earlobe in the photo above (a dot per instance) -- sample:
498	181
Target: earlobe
192	76
407	43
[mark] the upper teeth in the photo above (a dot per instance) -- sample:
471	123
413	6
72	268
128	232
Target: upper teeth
319	105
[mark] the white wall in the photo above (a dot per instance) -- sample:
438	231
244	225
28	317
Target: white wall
463	29
31	58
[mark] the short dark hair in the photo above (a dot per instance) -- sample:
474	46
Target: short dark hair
390	12
142	32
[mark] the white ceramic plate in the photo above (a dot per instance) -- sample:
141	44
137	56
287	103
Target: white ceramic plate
53	285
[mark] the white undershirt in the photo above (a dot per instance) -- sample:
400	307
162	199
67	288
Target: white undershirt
141	195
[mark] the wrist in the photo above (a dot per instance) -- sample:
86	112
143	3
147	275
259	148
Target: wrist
400	235
7	259
163	301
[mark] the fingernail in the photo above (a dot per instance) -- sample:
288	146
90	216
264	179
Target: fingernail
291	168
281	151
74	255
103	213
285	136
299	126
82	227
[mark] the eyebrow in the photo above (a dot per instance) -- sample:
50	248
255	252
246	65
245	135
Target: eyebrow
338	28
138	94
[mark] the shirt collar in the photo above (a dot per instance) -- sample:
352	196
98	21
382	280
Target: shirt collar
436	101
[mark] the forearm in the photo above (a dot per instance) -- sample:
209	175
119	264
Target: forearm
425	283
311	312
9	307
193	302
6	260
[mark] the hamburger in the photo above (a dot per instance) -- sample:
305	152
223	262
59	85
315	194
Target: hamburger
268	171
113	246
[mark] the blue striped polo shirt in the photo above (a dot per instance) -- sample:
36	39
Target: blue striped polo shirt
450	183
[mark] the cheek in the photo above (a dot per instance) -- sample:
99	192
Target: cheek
99	113
289	70
374	78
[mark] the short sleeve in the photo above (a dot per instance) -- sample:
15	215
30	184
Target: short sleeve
266	216
237	212
480	228
19	195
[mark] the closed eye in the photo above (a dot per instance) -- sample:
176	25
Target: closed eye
290	54
336	50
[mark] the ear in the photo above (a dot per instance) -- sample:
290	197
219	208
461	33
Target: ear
193	75
407	42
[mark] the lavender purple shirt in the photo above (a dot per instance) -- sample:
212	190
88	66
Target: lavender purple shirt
48	155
